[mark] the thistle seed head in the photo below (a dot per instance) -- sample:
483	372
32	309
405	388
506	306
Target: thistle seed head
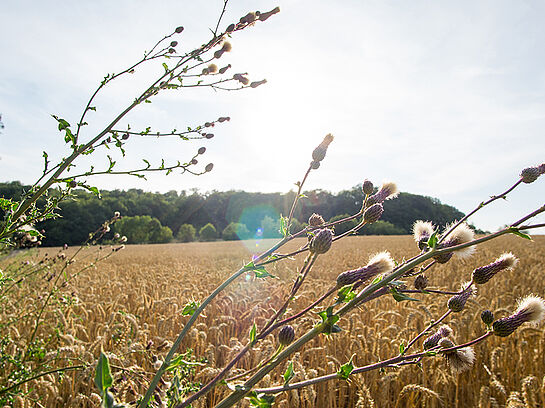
373	213
530	309
487	317
530	174
421	282
378	264
226	47
541	168
445	342
422	231
212	68
367	187
460	235
321	242
387	191
461	359
315	220
457	302
483	274
319	153
286	335
266	15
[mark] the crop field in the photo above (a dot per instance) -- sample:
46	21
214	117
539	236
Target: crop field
130	306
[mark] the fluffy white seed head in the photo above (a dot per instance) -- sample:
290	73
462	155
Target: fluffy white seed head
507	260
422	229
461	360
461	235
533	307
382	262
390	188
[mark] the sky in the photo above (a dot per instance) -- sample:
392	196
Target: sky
447	99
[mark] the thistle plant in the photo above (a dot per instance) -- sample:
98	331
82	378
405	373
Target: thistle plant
381	276
180	70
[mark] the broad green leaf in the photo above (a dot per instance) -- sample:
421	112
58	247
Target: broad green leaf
103	375
260	400
261	272
288	374
402	348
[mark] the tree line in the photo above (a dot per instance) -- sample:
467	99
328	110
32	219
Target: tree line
190	215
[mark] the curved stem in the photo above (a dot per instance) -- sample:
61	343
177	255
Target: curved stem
57	370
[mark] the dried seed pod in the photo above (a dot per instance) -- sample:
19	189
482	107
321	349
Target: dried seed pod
315	220
421	282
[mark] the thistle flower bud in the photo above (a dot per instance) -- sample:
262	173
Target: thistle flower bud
373	213
315	165
173	43
171	50
321	242
421	282
248	18
367	187
387	191
381	263
541	168
319	153
487	317
315	220
218	54
255	84
194	161
266	15
223	69
433	340
209	167
179	29
125	136
208	124
224	118
201	150
208	135
242	79
117	214
483	274
286	335
230	28
457	302
530	174
422	231
530	309
73	184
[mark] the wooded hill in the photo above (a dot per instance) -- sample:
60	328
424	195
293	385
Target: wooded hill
155	217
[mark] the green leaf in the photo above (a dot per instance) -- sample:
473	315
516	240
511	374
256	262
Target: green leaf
288	374
432	241
190	308
346	294
103	376
180	361
261	272
260	400
346	369
399	297
516	231
253	332
283	226
377	280
402	348
165	66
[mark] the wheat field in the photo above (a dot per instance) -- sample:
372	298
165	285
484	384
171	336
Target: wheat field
130	306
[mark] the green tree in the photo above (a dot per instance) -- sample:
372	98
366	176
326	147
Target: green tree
186	233
208	232
382	228
143	229
270	227
235	231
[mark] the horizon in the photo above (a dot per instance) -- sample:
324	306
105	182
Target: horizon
449	98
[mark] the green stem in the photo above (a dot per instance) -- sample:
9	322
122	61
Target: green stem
57	370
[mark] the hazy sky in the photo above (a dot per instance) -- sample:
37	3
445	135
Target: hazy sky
445	98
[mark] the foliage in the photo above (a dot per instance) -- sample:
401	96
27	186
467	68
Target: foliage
270	228
235	231
186	233
208	232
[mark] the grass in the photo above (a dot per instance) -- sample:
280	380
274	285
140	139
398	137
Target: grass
130	306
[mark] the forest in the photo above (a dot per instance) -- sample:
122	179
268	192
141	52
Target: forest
192	215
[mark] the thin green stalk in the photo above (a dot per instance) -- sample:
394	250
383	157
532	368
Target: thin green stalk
57	370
